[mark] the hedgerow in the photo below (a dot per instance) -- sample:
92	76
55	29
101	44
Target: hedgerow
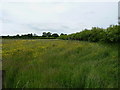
110	34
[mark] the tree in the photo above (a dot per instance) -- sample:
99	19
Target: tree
30	35
35	34
44	34
61	34
55	35
17	35
48	34
111	34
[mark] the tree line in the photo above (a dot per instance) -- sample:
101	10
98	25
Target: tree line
45	35
96	34
110	34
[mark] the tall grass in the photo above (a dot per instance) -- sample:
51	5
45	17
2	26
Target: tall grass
59	64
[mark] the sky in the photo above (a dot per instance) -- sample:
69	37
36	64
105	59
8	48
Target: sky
33	16
119	11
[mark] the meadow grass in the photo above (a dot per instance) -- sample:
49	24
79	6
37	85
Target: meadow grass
59	64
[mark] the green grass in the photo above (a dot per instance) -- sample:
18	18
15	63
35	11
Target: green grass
59	64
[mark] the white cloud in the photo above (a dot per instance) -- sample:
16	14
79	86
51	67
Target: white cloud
59	0
34	12
25	17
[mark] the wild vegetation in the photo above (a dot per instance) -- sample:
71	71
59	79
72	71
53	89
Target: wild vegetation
96	34
77	61
110	35
43	63
45	35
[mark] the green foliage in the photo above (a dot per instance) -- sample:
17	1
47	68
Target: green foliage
63	36
38	63
111	34
55	35
46	35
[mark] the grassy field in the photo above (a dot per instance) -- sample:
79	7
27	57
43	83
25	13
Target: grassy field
59	64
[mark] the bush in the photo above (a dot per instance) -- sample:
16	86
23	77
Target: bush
111	34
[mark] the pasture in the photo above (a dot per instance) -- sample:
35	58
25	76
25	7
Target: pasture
42	63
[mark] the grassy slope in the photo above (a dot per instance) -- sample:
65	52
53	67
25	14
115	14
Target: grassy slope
59	64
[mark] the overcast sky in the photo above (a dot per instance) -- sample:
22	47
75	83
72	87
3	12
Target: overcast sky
56	17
